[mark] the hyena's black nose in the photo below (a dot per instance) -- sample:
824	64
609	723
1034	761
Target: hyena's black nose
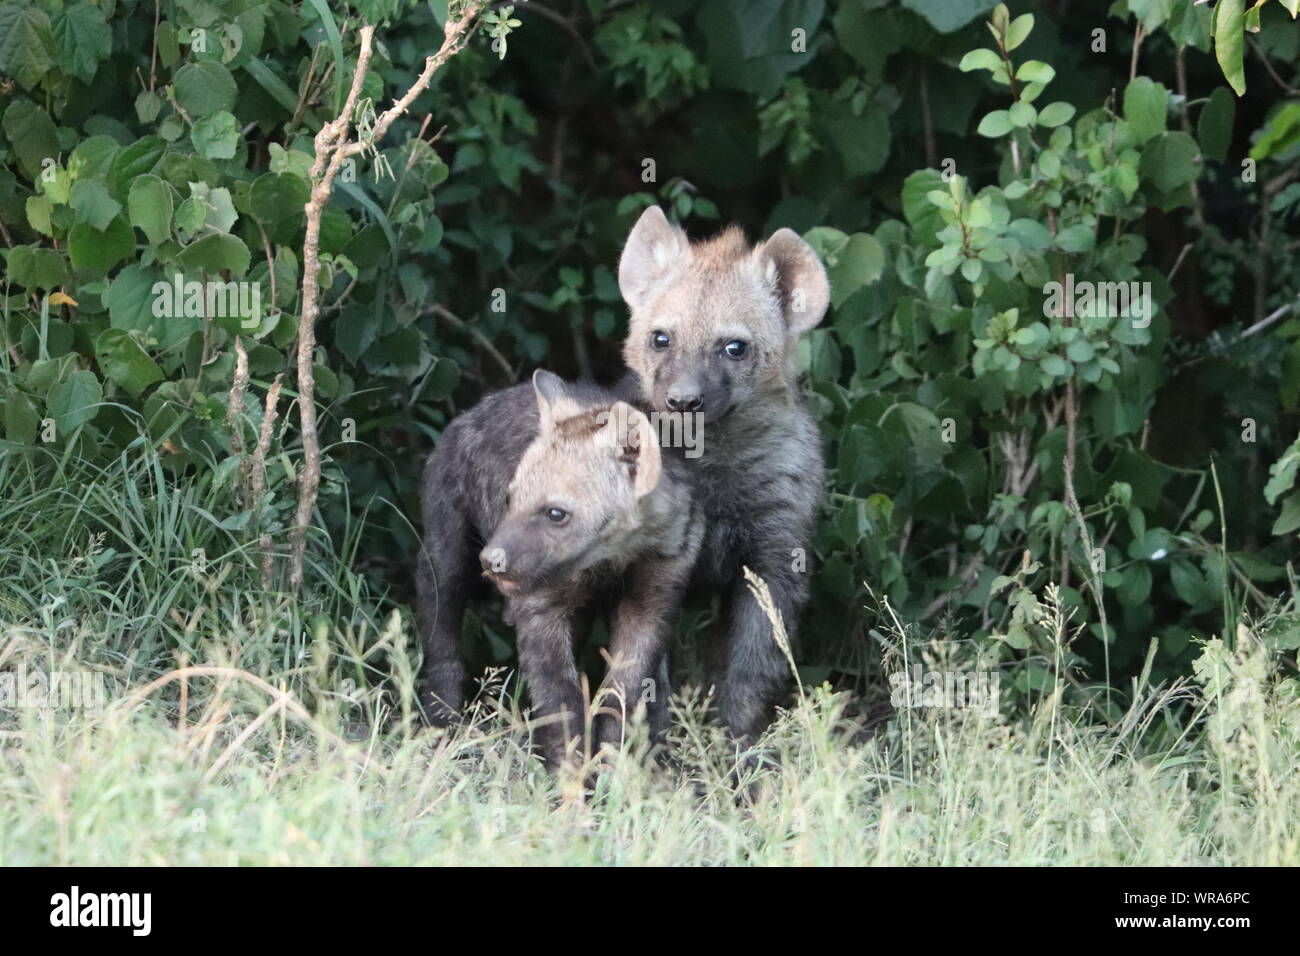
685	401
493	560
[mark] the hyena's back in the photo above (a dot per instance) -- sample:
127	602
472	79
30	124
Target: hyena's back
466	479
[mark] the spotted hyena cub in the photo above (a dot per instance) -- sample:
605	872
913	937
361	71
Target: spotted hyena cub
714	329
557	494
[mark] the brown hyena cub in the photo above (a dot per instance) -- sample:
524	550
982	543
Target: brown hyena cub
714	329
557	494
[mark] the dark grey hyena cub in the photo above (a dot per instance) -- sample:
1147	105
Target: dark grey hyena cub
556	493
714	328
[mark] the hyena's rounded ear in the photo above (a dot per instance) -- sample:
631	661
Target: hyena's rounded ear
655	251
637	446
798	279
549	388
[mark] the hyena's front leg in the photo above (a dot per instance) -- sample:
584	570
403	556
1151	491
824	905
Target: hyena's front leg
755	674
442	580
638	650
546	658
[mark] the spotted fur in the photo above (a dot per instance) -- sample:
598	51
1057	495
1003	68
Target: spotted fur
632	529
760	477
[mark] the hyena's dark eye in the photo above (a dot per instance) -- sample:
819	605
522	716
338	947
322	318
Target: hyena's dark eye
659	341
556	515
736	349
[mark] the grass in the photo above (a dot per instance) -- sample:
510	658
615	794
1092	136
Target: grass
240	728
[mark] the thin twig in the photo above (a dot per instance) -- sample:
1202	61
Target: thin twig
1138	36
483	341
333	148
257	475
1276	315
235	406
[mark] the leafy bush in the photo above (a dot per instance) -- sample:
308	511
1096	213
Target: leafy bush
948	170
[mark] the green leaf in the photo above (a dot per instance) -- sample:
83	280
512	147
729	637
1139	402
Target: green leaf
135	160
1078	238
747	42
21	418
1152	14
276	196
1054	114
356	329
861	141
1188	582
1032	235
204	88
46	373
860	263
996	123
98	250
949	16
867	36
83	39
399	350
1022	115
921	214
443	377
1170	160
32	133
168	47
980	59
1289	519
1230	41
129	298
190	215
1018	31
1145	106
356	192
1054	365
140	299
147	106
34	267
1280	133
1035	71
93	157
1134	584
73	401
149	205
124	362
1080	350
216	136
26	44
39	209
214	254
1214	126
1282	473
92	203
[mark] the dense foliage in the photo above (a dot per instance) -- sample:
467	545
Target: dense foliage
947	159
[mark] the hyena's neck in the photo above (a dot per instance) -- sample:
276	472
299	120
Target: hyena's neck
756	423
667	511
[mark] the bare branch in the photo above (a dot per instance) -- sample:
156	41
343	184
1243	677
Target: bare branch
333	148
